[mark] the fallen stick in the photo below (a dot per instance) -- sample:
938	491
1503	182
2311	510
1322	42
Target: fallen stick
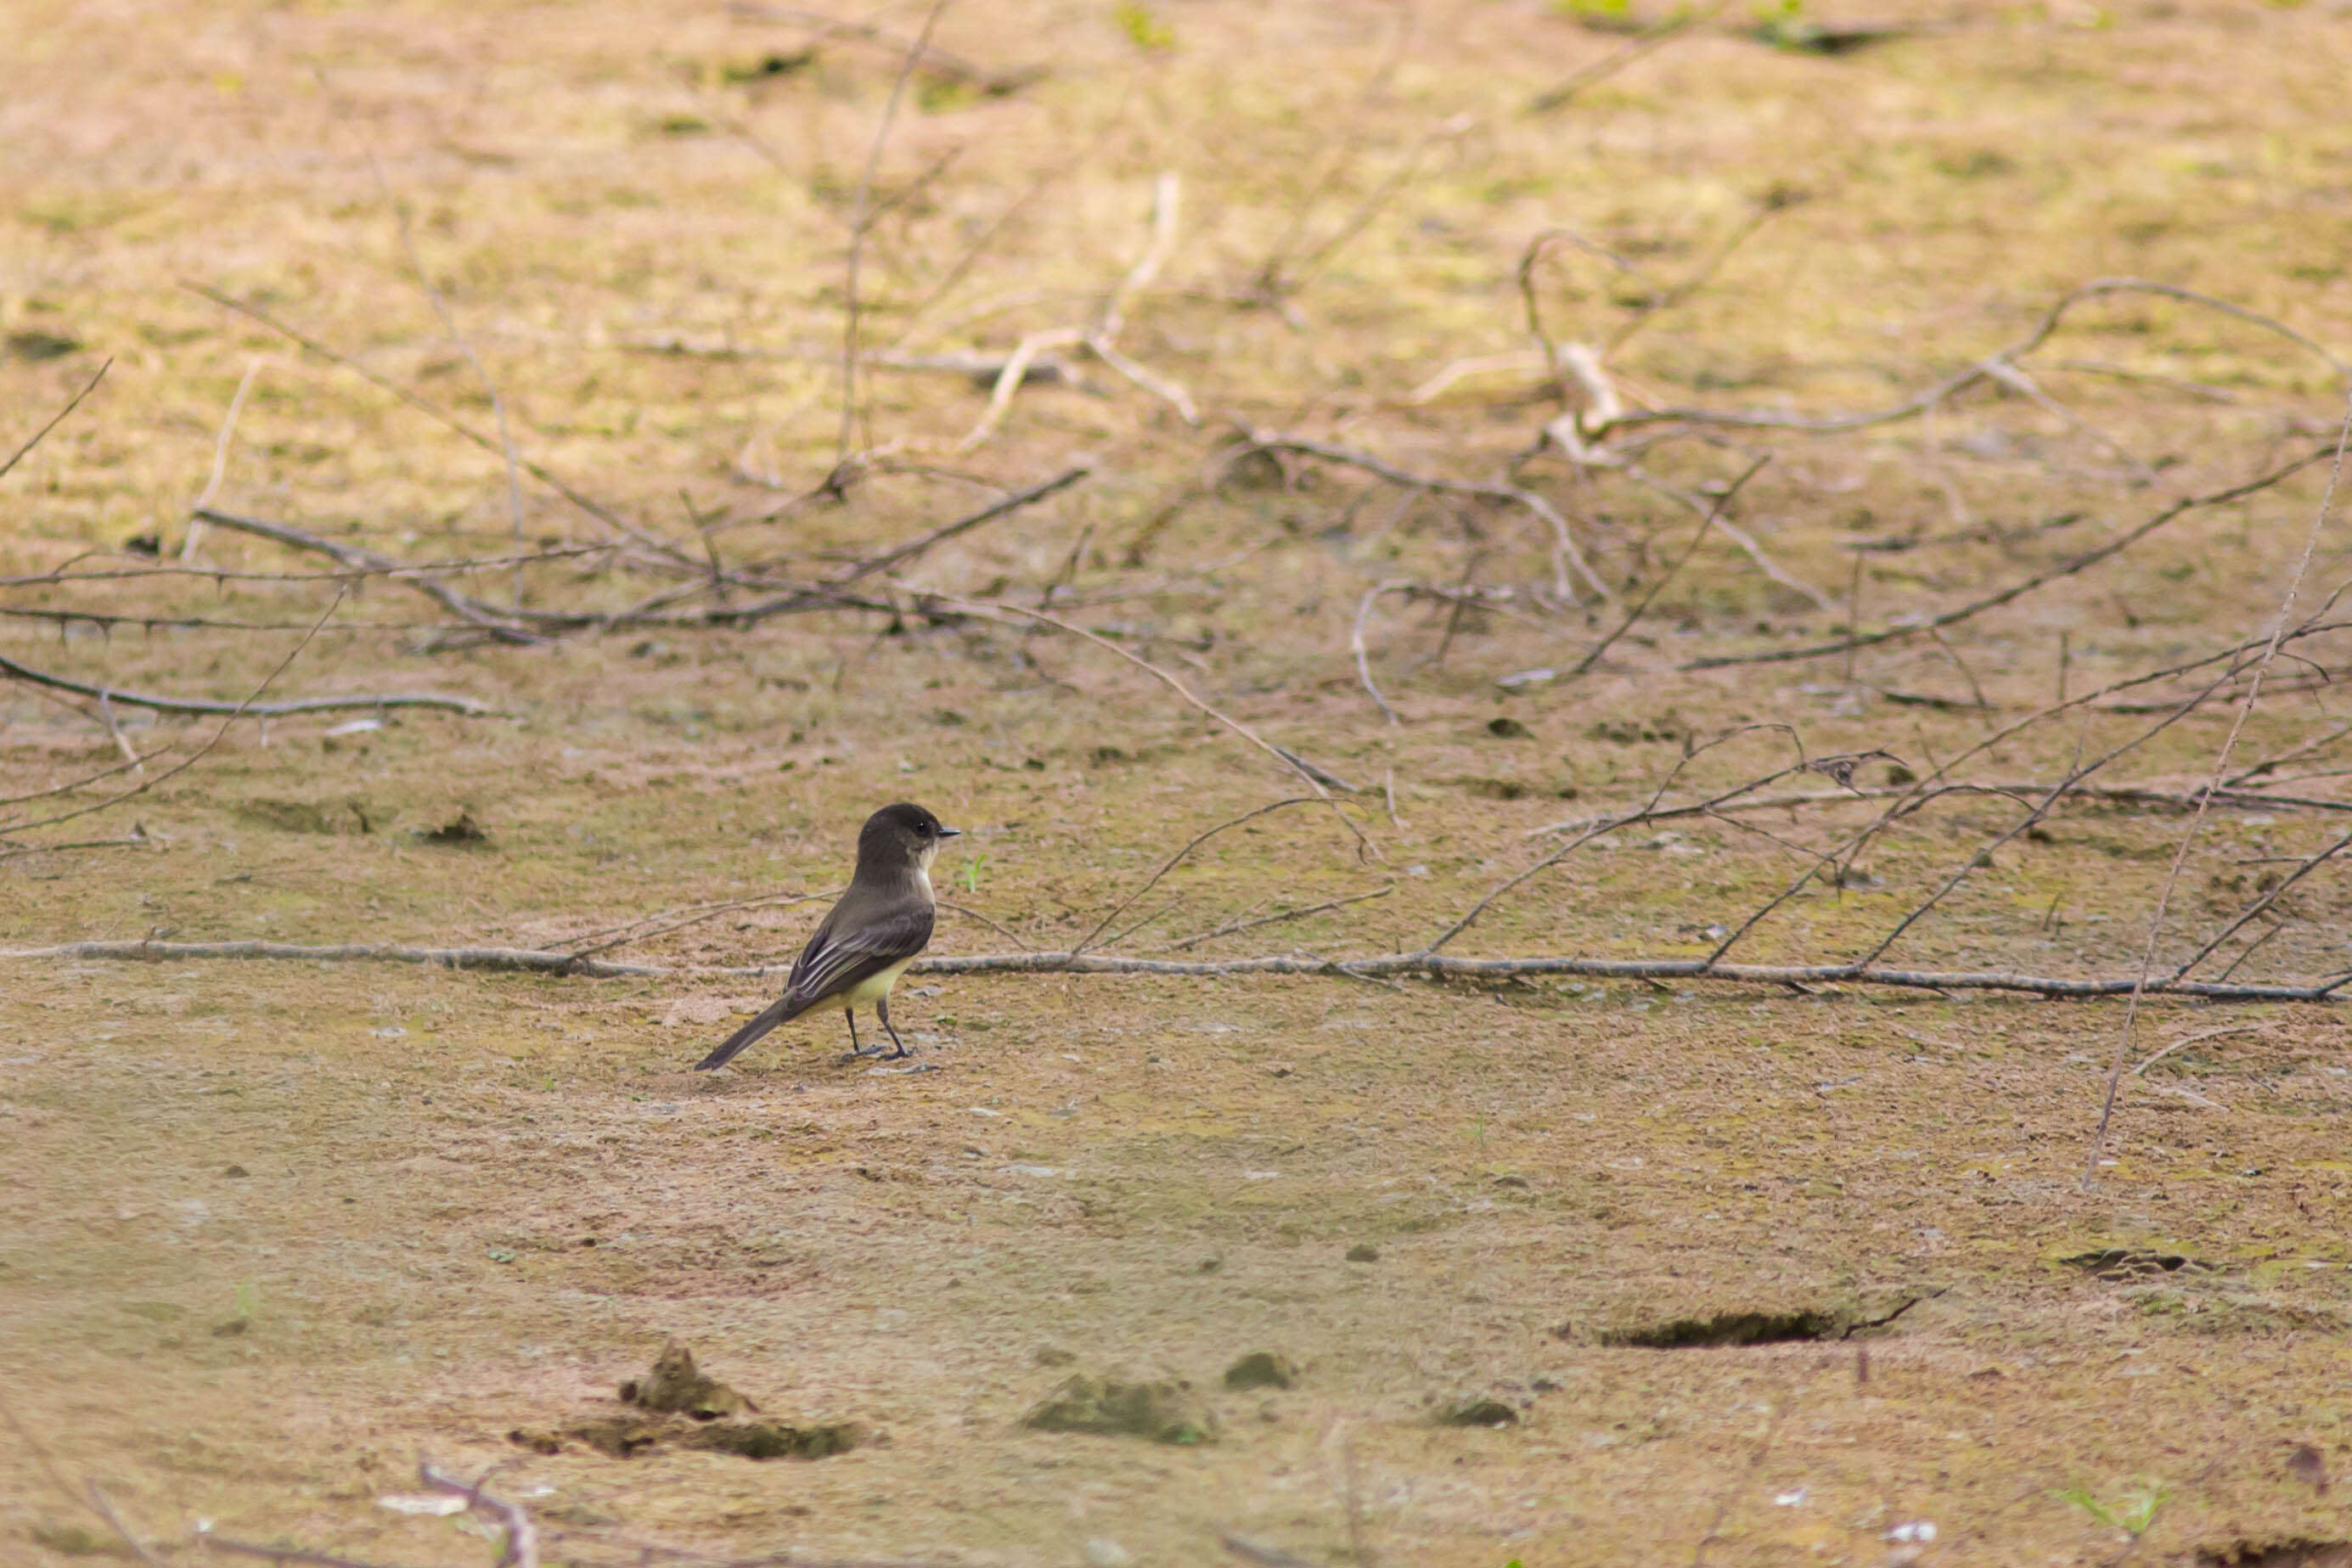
464	606
56	419
520	1549
433	411
501	958
251	709
2118	794
2089	559
1433	966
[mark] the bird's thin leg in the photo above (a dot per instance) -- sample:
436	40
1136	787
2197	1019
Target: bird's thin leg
857	1053
882	1012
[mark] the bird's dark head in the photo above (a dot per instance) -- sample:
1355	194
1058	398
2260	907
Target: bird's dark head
903	836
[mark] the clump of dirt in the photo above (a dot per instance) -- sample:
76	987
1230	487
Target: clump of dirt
1733	1328
775	1440
1476	1410
675	1383
1262	1369
1752	1326
2136	1263
2296	1553
1165	1412
627	1436
461	831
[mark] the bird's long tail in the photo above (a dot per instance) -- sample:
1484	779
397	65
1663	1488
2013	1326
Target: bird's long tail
787	1007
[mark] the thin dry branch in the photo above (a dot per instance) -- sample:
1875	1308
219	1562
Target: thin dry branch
1026	360
465	346
1566	555
861	221
56	419
1708	519
194	539
443	417
1378	966
1916	799
1992	367
1172	862
2015	591
58	575
988	514
473	611
520	1549
105	1507
523	960
189	761
1362	655
10	668
1563	93
1287	758
1279	917
2220	771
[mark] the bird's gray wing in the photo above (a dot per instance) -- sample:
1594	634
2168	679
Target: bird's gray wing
847	951
853	944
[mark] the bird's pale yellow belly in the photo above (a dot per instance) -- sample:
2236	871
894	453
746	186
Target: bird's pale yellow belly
868	991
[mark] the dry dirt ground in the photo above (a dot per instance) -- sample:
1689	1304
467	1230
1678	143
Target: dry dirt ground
271	1231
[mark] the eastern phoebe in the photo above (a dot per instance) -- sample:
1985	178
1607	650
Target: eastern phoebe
873	934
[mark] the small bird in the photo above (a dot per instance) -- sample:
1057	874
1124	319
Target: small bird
875	930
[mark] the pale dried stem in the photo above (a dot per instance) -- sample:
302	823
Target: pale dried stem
194	540
1357	647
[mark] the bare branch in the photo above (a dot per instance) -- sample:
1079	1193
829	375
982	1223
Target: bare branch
861	221
1560	95
442	417
259	710
56	419
2083	562
2220	771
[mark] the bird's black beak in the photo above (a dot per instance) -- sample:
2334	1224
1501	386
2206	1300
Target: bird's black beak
951	832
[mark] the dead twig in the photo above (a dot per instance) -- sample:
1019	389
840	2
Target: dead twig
521	959
1100	338
1172	862
2015	591
861	221
2220	771
192	759
1708	521
468	705
520	1549
57	418
1563	93
1376	966
443	417
194	539
466	347
1991	368
1363	655
1288	760
1279	917
99	1502
1566	555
